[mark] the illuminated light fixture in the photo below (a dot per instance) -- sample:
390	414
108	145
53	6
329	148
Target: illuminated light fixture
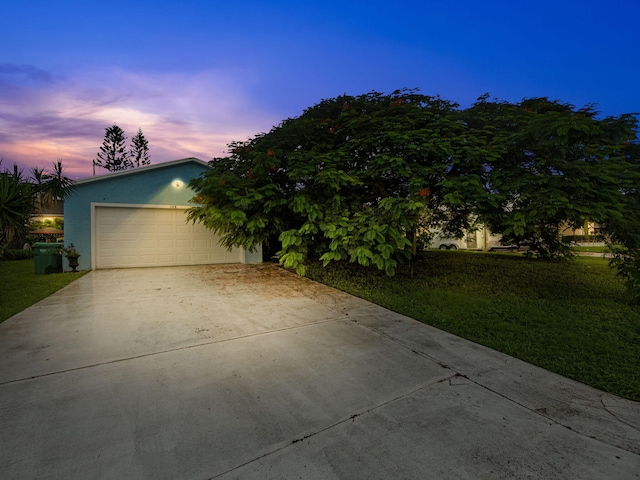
177	183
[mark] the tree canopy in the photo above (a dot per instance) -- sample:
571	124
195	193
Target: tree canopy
139	150
114	155
364	178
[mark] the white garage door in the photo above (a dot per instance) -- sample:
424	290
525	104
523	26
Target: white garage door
153	237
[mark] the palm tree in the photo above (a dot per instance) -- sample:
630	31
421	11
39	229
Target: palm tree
38	175
56	186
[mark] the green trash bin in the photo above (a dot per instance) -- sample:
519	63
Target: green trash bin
47	258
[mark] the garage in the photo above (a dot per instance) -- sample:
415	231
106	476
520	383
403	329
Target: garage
138	218
144	236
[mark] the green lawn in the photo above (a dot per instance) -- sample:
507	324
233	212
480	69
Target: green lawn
570	317
594	249
21	287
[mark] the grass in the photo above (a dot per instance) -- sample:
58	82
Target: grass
570	317
594	249
21	287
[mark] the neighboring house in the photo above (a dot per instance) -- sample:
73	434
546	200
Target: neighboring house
589	229
48	219
55	210
137	218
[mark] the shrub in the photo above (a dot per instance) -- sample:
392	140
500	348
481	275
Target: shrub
11	254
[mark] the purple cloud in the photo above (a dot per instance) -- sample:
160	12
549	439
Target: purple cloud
45	119
24	74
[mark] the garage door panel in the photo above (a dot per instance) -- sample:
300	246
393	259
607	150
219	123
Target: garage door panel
198	243
184	243
166	229
109	244
123	228
147	229
147	243
135	237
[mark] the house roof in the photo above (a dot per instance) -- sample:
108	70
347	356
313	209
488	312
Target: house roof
134	171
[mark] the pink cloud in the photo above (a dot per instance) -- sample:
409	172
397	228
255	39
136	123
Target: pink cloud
46	119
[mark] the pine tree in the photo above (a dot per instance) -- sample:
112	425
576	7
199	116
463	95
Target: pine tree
139	154
113	154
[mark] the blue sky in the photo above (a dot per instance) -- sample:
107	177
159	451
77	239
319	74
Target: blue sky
196	75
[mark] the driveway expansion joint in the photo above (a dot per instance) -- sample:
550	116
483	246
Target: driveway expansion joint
347	419
542	412
617	417
169	350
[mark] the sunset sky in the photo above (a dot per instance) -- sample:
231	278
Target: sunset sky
196	75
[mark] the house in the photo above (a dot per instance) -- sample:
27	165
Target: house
137	218
46	223
479	239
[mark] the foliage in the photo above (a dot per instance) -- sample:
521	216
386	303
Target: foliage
567	317
70	251
624	231
21	197
50	187
139	153
361	178
16	205
556	165
57	186
626	259
113	154
21	287
55	222
349	179
38	176
14	254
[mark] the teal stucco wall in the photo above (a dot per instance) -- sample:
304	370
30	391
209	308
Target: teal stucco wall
152	185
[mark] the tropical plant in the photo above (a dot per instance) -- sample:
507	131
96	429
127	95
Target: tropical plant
21	197
16	205
57	186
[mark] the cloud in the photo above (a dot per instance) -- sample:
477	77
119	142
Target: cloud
47	118
24	74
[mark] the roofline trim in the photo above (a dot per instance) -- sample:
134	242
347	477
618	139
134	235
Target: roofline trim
109	176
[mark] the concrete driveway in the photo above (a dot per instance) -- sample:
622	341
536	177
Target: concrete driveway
249	372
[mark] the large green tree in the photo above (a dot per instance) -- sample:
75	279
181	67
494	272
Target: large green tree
624	231
351	178
360	178
554	166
